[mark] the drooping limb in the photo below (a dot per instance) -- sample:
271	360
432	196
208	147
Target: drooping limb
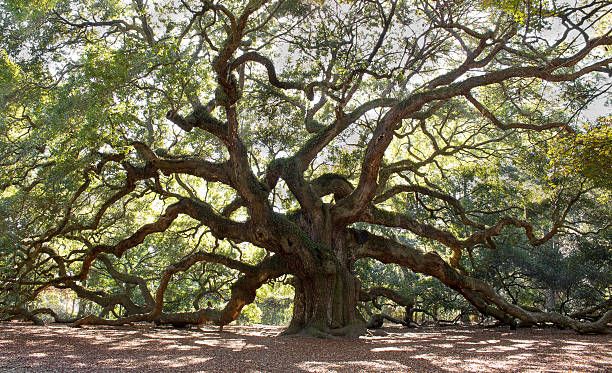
377	320
243	292
480	294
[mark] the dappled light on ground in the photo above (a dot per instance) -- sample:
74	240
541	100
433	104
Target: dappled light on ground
245	349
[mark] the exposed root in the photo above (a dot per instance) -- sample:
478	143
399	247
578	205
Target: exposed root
350	331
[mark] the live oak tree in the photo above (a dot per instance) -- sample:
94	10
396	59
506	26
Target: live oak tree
178	134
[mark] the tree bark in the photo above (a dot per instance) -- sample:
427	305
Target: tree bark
326	290
325	304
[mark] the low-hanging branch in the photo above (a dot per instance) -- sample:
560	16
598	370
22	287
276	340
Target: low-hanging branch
480	294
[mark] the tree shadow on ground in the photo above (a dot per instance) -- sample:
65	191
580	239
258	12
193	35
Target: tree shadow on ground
243	349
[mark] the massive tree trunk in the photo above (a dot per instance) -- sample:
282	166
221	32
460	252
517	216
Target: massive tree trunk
326	290
325	303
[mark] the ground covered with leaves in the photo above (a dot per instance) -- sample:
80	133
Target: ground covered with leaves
144	348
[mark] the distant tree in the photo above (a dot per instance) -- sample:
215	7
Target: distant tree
166	159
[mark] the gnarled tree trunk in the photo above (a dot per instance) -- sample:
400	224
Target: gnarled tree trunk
326	290
325	303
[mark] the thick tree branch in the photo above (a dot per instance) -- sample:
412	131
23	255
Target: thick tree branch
348	210
480	294
192	166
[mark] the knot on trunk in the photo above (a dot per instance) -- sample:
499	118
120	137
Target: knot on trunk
331	183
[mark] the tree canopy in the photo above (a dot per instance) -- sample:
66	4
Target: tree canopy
176	161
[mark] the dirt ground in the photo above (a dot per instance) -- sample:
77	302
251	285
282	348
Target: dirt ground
25	348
